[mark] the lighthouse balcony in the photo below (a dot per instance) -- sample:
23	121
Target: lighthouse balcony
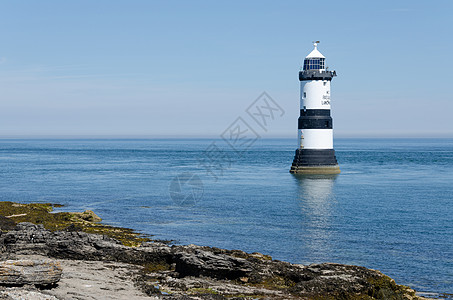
316	75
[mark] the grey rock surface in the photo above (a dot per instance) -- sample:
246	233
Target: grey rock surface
189	272
21	294
41	272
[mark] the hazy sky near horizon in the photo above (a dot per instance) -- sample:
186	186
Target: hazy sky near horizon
190	68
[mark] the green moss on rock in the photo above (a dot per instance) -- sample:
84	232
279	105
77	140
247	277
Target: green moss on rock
156	267
87	221
384	287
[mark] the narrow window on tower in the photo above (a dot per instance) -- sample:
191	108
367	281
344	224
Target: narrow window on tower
305	95
325	82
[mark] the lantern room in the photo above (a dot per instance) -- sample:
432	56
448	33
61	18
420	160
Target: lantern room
315	60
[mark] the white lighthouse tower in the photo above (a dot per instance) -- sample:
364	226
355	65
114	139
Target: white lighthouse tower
315	131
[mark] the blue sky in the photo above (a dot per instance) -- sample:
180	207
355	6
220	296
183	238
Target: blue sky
190	68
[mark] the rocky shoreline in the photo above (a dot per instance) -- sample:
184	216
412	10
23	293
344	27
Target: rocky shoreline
47	255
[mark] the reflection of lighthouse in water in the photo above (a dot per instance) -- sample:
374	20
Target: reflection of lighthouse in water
317	202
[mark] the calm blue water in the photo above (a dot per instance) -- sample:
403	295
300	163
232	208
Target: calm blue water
391	209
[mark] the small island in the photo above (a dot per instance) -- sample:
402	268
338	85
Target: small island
47	255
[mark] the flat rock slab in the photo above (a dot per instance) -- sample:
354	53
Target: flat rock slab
21	272
20	294
97	280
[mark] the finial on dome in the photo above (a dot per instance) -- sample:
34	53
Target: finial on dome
315	43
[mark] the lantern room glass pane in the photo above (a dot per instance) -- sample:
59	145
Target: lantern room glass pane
314	64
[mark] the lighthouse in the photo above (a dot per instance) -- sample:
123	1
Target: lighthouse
315	154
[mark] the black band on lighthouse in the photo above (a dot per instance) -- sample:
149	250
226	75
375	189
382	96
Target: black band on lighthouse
315	112
315	123
315	157
315	119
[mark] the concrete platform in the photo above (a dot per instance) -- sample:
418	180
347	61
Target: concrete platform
316	170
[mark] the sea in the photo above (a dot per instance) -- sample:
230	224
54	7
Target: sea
390	209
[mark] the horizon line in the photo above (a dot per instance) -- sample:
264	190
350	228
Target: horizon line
194	136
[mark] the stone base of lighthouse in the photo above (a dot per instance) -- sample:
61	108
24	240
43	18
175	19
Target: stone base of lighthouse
315	161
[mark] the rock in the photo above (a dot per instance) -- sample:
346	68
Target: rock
6	223
20	294
97	280
37	272
88	215
209	264
29	239
41	213
205	272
